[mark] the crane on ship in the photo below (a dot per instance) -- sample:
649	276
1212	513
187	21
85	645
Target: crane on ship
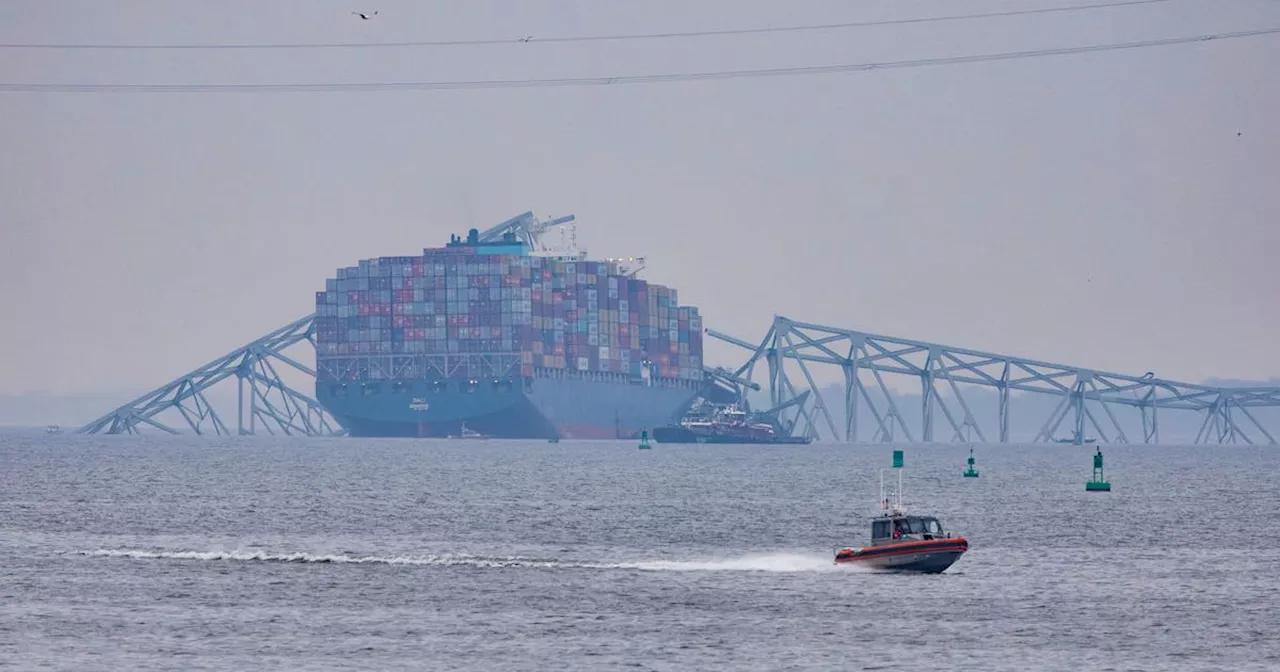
533	232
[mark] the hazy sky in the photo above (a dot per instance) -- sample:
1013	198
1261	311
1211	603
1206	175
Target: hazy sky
1096	209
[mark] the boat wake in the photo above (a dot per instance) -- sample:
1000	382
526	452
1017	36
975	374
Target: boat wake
428	560
761	562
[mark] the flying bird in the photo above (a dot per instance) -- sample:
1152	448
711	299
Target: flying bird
364	16
526	38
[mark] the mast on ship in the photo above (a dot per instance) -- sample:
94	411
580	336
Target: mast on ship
892	506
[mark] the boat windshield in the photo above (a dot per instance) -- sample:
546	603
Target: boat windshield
917	527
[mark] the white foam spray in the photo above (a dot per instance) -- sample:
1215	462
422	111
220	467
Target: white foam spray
760	562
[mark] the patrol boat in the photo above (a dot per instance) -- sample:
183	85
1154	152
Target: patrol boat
905	543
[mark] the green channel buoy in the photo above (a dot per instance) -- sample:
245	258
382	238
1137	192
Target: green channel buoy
897	459
1099	483
971	473
644	440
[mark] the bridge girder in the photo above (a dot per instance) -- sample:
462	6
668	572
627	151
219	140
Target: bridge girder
264	400
1088	398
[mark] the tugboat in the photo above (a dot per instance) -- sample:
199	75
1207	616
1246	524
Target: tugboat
724	425
905	543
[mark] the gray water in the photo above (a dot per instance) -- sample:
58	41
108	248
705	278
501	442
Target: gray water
185	553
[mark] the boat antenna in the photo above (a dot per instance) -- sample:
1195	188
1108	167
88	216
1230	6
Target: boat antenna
895	506
884	501
900	508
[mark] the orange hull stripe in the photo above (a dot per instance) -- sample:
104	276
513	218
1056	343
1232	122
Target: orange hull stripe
890	550
923	543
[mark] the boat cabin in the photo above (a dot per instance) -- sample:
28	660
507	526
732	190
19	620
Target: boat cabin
896	529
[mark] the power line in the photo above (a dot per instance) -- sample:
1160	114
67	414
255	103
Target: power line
598	38
624	79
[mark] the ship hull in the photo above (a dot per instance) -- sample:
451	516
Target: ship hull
564	408
925	557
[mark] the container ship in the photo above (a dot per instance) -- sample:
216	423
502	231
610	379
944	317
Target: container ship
502	335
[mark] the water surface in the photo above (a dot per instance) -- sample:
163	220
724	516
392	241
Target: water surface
164	553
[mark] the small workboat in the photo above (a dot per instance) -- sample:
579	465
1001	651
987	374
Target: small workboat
905	543
724	424
468	433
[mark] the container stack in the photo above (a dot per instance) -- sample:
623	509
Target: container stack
587	317
580	317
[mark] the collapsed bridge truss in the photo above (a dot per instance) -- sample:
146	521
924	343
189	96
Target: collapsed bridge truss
264	399
1085	401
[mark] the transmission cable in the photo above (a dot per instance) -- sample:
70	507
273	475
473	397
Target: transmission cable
624	79
597	38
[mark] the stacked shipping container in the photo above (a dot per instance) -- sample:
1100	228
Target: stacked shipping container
574	316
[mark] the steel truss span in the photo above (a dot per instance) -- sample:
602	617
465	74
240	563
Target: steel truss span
1087	405
264	401
1084	401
